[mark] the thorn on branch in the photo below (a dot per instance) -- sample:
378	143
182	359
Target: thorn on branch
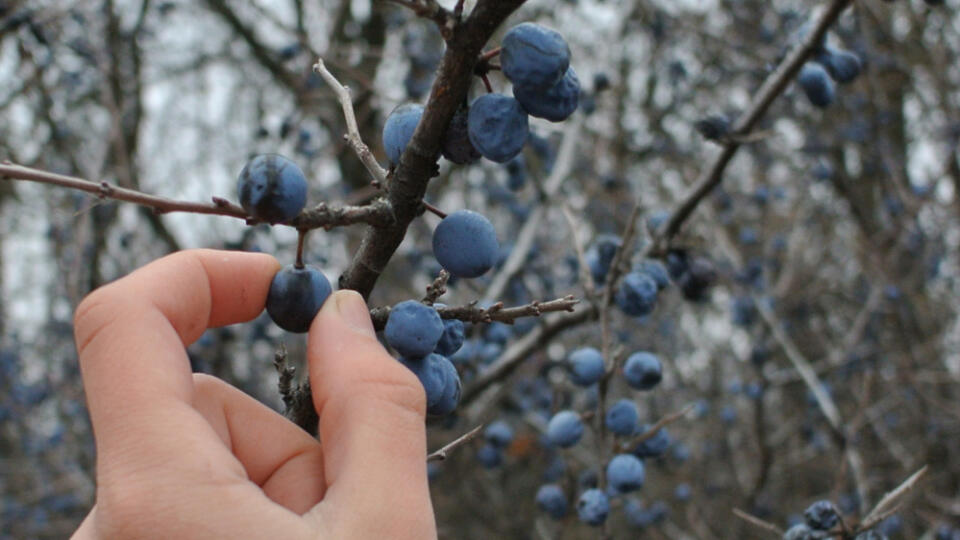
444	452
437	289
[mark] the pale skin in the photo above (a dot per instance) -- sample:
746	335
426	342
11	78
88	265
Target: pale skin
181	455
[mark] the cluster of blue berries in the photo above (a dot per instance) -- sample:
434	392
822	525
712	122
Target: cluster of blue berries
625	472
424	342
536	60
822	516
830	65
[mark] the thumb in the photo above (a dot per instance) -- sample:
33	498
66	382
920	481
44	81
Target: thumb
372	428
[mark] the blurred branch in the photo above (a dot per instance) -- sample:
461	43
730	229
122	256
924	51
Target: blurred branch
528	233
753	520
892	500
772	87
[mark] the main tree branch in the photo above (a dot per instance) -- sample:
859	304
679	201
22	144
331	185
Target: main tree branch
419	161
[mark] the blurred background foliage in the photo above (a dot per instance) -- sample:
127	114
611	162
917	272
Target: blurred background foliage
842	224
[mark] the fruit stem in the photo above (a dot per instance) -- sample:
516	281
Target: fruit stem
434	209
301	240
492	53
486	82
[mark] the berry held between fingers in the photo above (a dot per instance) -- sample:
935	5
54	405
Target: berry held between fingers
295	297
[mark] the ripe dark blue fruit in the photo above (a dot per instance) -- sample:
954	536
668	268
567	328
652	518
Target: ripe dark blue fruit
452	338
497	126
552	500
593	507
816	84
565	429
413	329
440	382
801	532
821	515
450	397
622	417
586	366
600	256
499	434
653	447
295	297
465	244
399	128
642	370
637	294
456	145
657	271
489	456
843	66
272	188
534	55
555	103
625	473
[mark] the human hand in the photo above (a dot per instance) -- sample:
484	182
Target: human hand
182	455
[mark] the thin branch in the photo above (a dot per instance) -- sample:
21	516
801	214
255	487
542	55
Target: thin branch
753	520
655	428
438	288
892	500
323	215
516	261
495	313
352	136
443	453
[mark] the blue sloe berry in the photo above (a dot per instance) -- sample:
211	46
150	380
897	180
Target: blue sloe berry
625	473
399	128
821	515
637	294
452	338
593	507
555	103
413	329
295	297
565	429
533	55
489	456
499	434
653	447
843	66
272	188
622	417
552	500
465	244
656	270
642	370
498	127
586	366
456	145
816	84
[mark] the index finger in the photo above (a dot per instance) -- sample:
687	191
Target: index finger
131	334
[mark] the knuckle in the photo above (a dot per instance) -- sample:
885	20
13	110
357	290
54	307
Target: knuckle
95	312
398	387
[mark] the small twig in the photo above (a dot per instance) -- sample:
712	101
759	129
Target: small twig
443	453
352	136
654	429
583	267
492	53
486	83
753	520
301	240
891	501
437	289
495	313
434	210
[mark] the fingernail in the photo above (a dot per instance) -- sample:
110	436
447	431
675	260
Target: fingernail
353	310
